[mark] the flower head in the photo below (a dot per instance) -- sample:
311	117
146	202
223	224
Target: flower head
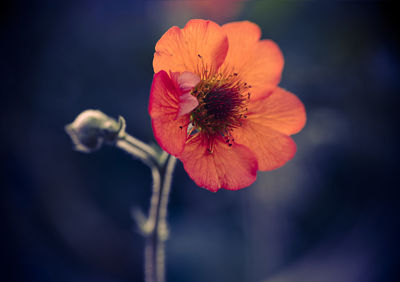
216	105
92	128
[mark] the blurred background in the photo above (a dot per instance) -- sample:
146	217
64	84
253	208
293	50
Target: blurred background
330	214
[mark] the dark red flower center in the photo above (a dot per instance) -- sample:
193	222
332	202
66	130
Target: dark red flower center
222	105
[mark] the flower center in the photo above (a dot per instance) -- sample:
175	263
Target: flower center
222	105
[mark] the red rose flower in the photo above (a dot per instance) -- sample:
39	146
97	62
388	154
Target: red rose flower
215	103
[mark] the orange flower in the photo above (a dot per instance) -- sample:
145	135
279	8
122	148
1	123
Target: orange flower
215	103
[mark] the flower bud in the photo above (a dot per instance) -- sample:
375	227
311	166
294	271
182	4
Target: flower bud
92	128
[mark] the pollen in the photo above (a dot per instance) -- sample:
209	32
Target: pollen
223	100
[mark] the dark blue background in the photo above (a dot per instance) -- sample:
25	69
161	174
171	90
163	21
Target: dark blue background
331	214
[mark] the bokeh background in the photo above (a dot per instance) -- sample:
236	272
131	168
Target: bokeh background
331	214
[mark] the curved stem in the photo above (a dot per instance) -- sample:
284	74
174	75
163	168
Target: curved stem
162	227
149	229
95	125
155	227
135	152
143	146
166	189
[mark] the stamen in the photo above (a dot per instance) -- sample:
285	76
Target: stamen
223	98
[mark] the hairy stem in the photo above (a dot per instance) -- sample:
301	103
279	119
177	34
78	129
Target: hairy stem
143	146
89	131
149	229
155	227
162	227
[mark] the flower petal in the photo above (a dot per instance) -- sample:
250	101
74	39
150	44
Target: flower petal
199	45
245	33
226	167
282	111
271	148
187	102
169	130
258	63
186	82
164	97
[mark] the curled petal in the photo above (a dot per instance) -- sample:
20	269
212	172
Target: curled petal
258	63
187	102
199	45
271	148
282	111
169	129
186	81
226	167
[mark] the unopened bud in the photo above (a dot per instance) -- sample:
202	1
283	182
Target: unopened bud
92	128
